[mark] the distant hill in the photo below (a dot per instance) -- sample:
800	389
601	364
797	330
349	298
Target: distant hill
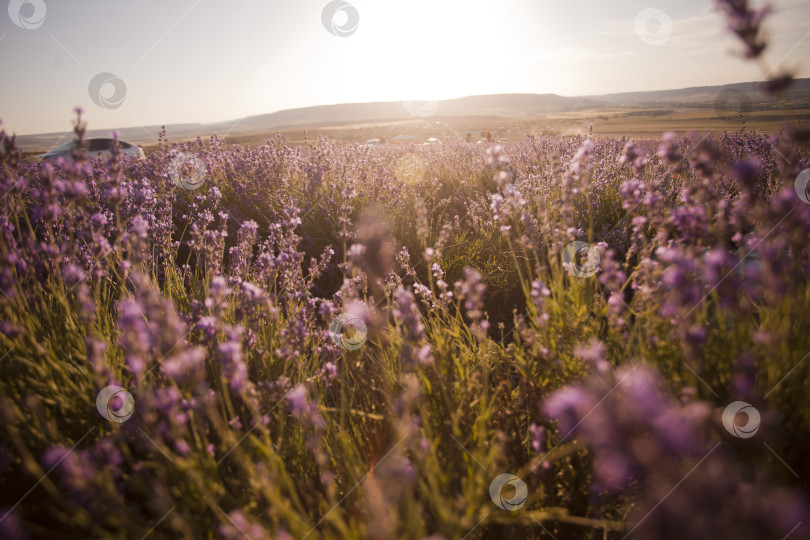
699	95
503	105
350	113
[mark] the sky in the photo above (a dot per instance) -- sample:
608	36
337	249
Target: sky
156	62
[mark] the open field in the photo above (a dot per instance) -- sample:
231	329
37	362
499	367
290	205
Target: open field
638	123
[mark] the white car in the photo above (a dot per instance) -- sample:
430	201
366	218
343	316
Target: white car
96	148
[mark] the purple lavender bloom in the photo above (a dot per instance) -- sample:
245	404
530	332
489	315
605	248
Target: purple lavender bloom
746	23
593	353
538	437
298	399
10	526
568	406
230	356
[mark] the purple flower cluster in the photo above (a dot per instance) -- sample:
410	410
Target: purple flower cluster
685	483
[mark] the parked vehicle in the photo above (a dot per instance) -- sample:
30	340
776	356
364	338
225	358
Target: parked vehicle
100	147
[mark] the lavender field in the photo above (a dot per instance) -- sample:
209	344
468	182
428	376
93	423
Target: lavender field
333	341
559	337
